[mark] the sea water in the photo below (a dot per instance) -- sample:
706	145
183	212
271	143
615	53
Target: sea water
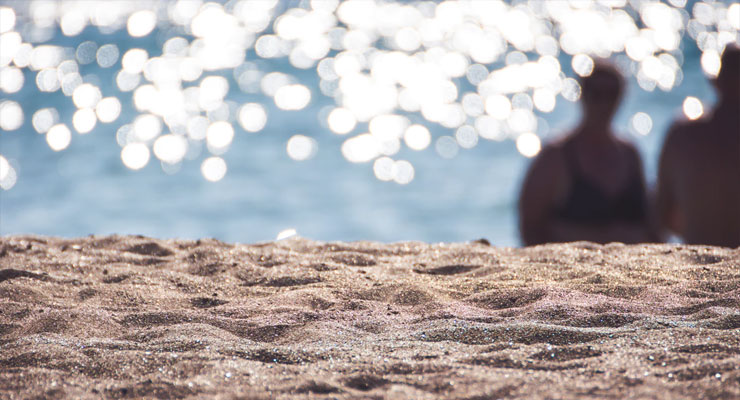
455	192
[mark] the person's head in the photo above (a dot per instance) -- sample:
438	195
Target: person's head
728	80
602	91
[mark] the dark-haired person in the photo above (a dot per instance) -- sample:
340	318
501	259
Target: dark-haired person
589	185
699	171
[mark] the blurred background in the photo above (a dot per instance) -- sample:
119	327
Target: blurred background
251	120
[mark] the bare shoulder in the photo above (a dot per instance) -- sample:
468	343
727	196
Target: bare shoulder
549	161
629	148
683	135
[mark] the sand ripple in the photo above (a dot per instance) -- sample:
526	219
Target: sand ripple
124	316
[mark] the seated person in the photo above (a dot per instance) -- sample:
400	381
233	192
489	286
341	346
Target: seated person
699	170
589	185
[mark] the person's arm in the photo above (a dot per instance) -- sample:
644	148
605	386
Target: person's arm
665	202
537	196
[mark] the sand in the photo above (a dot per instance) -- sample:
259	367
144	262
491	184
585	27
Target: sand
125	316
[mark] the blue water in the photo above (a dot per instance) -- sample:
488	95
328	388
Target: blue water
86	189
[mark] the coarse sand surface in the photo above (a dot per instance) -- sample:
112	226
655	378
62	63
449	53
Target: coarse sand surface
130	316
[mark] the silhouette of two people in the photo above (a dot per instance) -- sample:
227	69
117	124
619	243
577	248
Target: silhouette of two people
590	185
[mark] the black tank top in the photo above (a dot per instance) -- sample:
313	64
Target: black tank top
587	202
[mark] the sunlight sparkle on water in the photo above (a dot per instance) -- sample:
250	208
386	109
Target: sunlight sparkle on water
219	136
301	147
11	115
403	172
7	21
417	137
383	64
58	137
692	108
641	123
341	121
47	80
135	155
133	61
213	169
361	148
466	137
528	144
86	96
711	62
446	147
292	97
384	168
107	55
108	109
44	119
8	176
141	23
11	79
170	148
252	117
582	64
147	127
84	120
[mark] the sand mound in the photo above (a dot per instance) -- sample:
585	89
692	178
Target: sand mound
139	317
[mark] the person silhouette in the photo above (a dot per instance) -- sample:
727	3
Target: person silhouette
698	195
590	184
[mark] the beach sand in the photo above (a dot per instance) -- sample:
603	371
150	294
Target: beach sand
125	316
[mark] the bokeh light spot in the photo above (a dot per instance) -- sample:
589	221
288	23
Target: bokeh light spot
582	64
341	121
133	61
219	136
108	109
11	79
692	108
292	97
8	176
147	127
84	120
446	147
252	117
466	137
641	123
141	23
301	147
403	172
11	115
383	168
213	169
170	148
7	20
528	144
86	52
135	155
361	148
107	55
417	137
58	137
86	95
44	119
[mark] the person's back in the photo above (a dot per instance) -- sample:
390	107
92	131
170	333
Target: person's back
699	173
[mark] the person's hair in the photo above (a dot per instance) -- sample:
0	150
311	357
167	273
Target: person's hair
728	80
605	82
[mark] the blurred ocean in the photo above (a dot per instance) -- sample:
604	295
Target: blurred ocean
86	189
